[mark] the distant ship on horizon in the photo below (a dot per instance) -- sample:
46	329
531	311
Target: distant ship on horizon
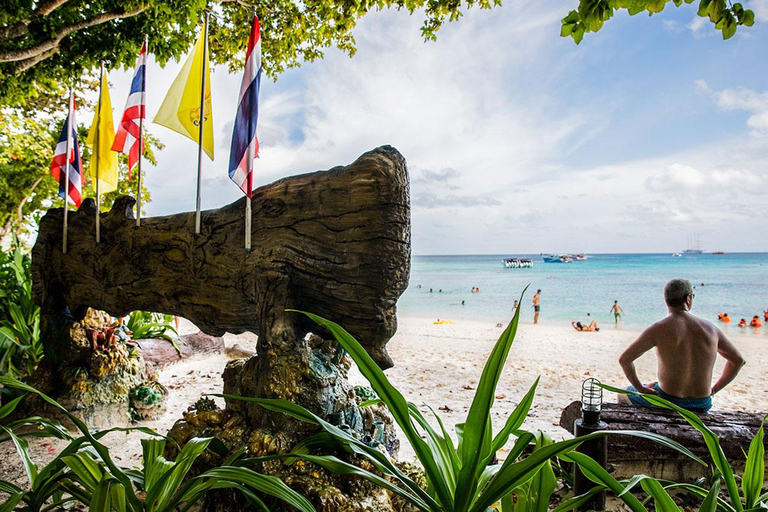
694	245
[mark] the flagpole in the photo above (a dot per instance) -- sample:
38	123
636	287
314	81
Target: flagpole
202	123
66	170
95	156
141	131
248	211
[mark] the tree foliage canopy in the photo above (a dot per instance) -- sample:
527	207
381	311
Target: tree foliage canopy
26	186
592	14
72	37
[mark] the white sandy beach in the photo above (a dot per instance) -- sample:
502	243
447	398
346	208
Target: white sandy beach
440	365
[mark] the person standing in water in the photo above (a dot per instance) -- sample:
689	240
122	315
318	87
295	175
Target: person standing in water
617	311
536	306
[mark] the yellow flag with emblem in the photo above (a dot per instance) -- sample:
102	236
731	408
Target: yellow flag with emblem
180	110
103	165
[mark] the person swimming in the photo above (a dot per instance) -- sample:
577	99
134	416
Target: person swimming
755	322
723	317
743	322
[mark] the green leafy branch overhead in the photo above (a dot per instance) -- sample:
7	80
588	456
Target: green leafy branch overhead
592	14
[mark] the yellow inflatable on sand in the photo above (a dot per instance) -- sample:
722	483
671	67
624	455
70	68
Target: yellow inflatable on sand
443	322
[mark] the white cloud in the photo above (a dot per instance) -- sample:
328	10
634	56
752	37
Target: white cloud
502	124
701	27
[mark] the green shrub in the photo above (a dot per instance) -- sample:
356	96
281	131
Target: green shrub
748	499
21	349
460	478
85	471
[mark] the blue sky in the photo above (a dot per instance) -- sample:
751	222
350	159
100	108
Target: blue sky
517	140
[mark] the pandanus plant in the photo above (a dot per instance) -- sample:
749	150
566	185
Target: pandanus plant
747	499
461	477
84	471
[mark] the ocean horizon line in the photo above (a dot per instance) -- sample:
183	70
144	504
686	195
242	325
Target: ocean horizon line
655	253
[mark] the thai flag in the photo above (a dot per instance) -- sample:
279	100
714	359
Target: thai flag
64	164
245	145
128	132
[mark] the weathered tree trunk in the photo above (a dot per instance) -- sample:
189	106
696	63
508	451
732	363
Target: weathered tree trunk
632	455
335	243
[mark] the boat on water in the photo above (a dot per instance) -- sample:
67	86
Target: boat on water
694	245
518	262
677	255
556	258
718	252
578	257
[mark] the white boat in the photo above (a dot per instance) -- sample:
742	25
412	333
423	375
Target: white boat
518	262
694	245
676	255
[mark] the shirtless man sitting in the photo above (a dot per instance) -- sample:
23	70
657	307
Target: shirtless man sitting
686	348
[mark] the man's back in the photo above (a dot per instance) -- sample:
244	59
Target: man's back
686	347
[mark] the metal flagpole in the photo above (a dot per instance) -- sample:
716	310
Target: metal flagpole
141	128
66	170
248	211
202	123
95	156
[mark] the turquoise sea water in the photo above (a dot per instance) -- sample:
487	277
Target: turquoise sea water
734	283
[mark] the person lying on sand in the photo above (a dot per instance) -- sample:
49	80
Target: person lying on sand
686	347
580	327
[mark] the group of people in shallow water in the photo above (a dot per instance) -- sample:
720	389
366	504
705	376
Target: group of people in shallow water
755	322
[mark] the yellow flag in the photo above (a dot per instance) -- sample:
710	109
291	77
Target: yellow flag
180	110
103	160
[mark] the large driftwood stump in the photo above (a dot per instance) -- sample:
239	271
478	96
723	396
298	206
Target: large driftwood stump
336	243
632	455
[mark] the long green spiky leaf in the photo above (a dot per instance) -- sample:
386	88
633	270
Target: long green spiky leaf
575	502
754	470
395	401
340	467
45	427
710	439
88	470
514	474
661	498
710	502
596	473
164	489
476	438
22	448
264	483
516	419
11	501
83	428
702	494
380	460
10	406
442	448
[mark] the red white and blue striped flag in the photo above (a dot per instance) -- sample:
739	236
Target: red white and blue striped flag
128	132
63	164
245	145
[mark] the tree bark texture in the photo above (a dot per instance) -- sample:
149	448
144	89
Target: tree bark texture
335	243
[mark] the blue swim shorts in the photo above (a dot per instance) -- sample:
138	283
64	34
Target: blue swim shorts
692	404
